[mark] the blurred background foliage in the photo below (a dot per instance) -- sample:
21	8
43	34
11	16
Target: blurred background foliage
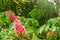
20	7
30	8
35	16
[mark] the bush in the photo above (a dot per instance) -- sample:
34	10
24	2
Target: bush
43	11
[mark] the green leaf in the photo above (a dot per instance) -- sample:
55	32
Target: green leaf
34	14
30	32
11	26
35	37
41	29
50	38
7	33
1	22
2	18
7	20
58	32
31	22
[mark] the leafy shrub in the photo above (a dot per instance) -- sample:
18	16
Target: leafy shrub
52	25
31	26
20	7
43	11
4	20
33	14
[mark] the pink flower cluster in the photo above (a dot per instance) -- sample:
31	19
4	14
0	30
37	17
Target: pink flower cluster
19	28
53	33
11	16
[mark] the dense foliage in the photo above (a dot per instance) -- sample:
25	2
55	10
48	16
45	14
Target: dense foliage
38	18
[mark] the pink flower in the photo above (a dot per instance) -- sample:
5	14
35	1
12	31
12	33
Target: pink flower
11	16
53	33
19	28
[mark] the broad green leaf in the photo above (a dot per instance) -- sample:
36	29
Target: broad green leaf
30	32
2	18
8	20
11	26
35	37
31	22
41	29
34	14
58	32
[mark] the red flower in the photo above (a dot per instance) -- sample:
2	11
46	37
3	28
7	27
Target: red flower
19	28
11	16
53	33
